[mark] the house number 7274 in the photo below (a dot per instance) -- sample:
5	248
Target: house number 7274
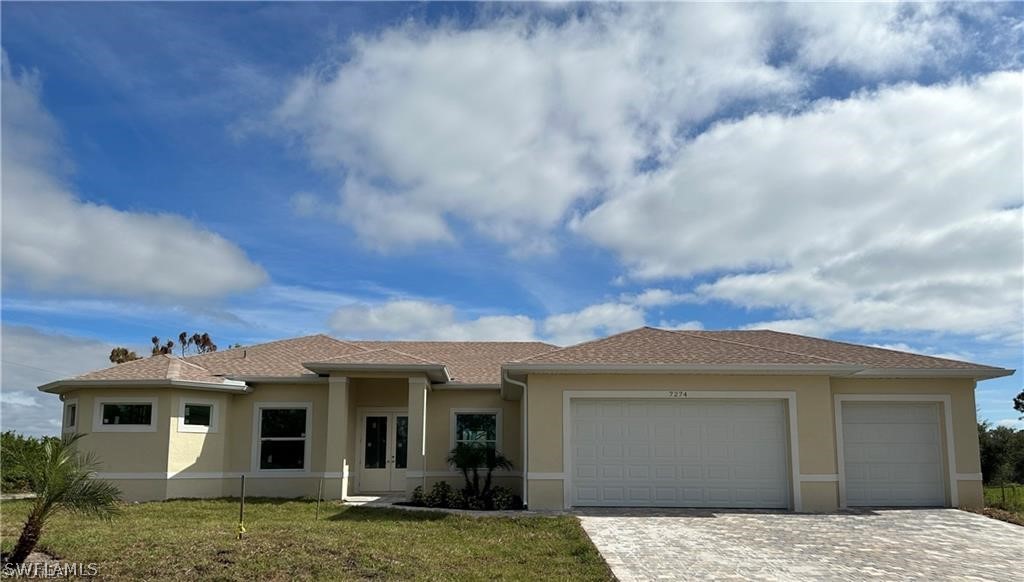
676	394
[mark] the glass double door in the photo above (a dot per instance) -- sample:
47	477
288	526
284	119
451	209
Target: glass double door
385	451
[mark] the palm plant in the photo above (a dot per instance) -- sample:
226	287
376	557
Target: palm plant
62	480
470	458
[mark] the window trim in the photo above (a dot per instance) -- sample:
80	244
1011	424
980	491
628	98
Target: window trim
197	428
455	412
257	440
97	417
64	426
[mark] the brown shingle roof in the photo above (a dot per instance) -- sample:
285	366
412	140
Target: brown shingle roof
649	345
468	362
838	351
277	358
481	362
160	367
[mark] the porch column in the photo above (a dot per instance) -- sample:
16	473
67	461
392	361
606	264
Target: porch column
414	475
336	466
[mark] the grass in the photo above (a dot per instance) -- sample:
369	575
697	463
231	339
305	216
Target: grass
1005	502
197	539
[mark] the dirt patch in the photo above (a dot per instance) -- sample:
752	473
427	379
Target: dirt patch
1002	515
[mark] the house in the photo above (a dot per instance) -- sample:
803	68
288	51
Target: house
649	417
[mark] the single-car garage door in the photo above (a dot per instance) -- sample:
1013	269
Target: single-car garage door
892	454
679	453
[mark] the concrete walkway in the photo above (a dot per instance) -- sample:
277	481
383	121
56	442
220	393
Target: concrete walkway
925	544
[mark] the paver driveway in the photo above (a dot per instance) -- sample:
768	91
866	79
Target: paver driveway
922	544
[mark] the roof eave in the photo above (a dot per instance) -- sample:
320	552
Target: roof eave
742	369
61	386
436	372
974	373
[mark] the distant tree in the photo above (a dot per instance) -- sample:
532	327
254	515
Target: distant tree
121	355
1018	403
159	348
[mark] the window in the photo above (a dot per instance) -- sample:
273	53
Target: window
71	415
125	415
476	426
283	436
197	415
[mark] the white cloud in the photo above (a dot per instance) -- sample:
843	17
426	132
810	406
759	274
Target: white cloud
418	319
657	298
54	241
515	123
1014	423
684	325
31	358
592	321
892	210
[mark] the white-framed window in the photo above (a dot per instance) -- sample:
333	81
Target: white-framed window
282	433
124	414
198	415
70	421
476	425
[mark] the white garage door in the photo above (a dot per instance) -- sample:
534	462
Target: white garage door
679	453
892	454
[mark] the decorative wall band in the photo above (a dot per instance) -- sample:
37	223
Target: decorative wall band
248	475
819	478
547	476
968	477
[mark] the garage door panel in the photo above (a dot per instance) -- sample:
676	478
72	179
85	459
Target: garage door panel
892	454
698	453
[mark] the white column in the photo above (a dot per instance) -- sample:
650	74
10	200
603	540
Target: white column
417	433
336	465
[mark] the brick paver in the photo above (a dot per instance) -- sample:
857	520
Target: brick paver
924	544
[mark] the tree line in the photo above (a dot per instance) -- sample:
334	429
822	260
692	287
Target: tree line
196	343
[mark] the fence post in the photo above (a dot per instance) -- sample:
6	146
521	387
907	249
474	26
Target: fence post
241	510
319	495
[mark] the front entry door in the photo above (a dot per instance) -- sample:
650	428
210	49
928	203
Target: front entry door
385	451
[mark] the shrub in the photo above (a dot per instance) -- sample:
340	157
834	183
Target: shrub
441	495
503	498
417	497
17	453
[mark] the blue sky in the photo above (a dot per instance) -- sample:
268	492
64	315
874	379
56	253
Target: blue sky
468	171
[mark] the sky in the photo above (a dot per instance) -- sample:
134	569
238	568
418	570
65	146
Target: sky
478	171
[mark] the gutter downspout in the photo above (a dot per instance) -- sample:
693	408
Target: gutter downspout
526	432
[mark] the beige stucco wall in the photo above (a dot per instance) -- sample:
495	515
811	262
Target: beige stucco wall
816	426
229	451
964	417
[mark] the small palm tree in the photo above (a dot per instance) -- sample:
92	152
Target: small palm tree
62	479
470	458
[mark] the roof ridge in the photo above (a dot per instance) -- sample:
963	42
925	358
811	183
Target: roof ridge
595	340
379	341
865	346
712	338
425	361
278	341
413	356
173	369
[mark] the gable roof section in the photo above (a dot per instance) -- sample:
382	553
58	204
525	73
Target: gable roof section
467	362
752	350
159	367
277	358
840	351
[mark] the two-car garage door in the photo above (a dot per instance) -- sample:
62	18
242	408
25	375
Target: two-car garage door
679	453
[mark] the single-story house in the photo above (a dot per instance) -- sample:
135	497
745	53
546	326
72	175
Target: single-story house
649	417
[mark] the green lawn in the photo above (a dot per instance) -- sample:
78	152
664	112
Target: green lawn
1009	498
197	539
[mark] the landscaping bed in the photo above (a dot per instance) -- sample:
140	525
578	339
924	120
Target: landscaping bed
198	539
